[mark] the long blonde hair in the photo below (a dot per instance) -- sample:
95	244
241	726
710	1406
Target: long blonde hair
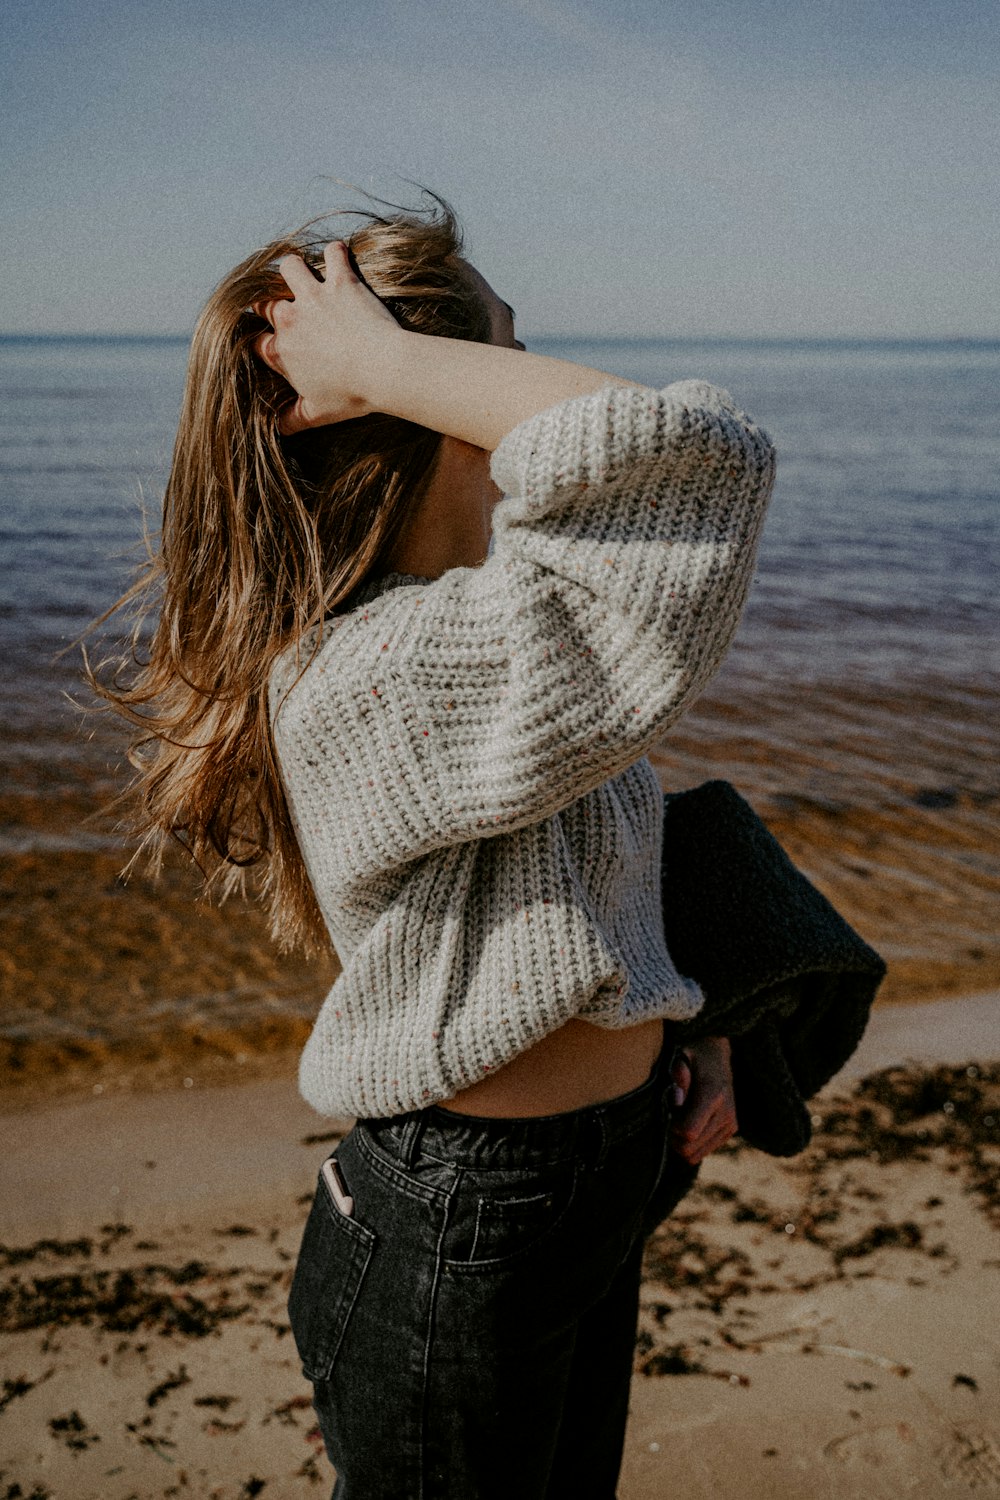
262	537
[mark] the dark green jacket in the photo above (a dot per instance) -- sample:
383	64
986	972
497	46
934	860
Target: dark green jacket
784	976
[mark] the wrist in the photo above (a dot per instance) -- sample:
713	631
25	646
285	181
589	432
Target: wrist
712	1045
383	368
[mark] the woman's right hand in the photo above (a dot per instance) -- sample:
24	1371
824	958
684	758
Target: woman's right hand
324	336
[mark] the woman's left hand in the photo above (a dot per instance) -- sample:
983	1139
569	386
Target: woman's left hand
707	1117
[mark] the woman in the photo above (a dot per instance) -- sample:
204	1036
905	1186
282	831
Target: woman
436	748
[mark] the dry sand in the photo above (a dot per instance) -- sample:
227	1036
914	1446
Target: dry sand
823	1327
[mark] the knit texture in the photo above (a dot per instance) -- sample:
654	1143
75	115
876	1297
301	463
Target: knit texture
465	759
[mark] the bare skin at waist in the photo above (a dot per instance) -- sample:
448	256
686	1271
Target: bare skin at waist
580	1065
573	1067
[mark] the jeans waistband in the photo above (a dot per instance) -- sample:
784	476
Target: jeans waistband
483	1142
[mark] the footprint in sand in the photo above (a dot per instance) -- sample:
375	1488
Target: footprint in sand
973	1458
872	1447
970	1458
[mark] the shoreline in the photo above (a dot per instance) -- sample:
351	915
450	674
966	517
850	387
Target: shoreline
884	799
267	1050
205	1155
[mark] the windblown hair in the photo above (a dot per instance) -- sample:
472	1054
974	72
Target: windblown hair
262	537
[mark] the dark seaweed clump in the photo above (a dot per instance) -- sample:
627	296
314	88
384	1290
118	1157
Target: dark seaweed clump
14	1388
904	1114
946	1114
684	1260
73	1431
151	1297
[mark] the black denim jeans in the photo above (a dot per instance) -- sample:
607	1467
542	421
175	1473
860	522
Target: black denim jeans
469	1328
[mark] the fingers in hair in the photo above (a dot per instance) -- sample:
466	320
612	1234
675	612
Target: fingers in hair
337	260
296	275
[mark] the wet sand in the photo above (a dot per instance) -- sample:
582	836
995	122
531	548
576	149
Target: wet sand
891	807
814	1326
108	982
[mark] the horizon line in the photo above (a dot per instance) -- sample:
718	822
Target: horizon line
121	336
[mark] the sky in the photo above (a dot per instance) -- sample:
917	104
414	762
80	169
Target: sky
622	167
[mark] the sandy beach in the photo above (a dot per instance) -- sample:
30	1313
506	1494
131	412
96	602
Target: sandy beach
816	1326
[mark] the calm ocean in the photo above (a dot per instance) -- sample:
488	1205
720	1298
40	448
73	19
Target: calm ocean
878	572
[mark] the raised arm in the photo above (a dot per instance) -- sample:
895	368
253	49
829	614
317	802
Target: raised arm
346	356
623	552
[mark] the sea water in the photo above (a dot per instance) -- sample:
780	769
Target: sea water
858	707
878	566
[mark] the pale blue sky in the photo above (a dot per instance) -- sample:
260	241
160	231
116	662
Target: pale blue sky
645	166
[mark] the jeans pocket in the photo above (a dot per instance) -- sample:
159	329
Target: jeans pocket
333	1258
499	1217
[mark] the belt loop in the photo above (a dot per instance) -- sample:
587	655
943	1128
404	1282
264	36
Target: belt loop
671	1047
602	1141
409	1138
667	1107
670	1055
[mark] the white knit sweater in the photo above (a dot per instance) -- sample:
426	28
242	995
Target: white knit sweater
464	759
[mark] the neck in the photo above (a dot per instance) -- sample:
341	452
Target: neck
451	526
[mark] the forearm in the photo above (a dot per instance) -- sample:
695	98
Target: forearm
475	392
710	1046
345	355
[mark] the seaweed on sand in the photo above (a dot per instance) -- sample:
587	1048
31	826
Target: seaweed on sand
903	1114
152	1297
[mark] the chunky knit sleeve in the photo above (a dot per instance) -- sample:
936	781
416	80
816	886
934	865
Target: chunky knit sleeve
494	697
